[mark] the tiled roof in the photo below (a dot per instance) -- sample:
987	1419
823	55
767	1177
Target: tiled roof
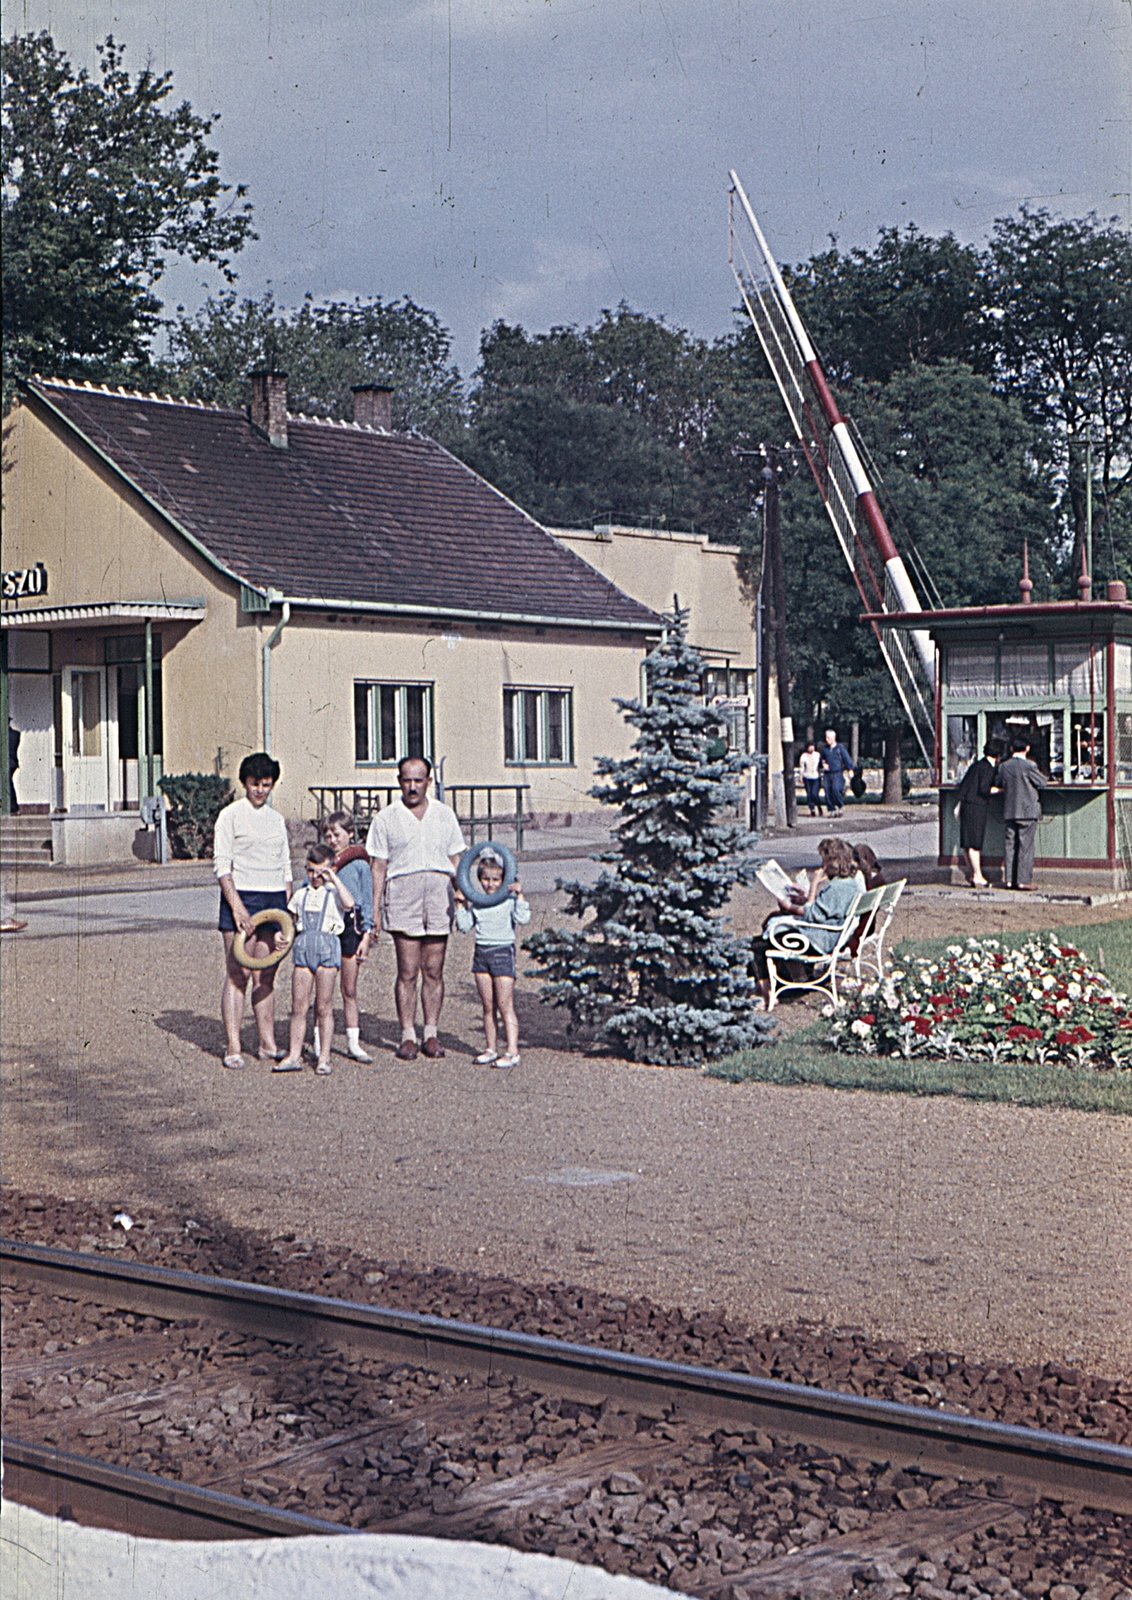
346	514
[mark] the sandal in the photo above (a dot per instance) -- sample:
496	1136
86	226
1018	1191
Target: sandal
487	1059
287	1065
323	1069
270	1055
233	1061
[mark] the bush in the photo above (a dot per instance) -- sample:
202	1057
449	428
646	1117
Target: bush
1038	1003
195	800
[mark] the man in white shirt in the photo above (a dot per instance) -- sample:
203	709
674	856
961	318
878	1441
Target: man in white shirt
414	847
252	859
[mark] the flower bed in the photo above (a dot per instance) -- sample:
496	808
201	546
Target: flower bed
984	1001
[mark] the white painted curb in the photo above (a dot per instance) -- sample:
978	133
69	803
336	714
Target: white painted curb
42	1558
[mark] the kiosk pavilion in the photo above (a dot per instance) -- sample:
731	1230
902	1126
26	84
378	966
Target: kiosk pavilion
1059	673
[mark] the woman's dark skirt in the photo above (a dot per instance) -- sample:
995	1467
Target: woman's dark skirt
972	825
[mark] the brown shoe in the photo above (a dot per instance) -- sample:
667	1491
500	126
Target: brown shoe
406	1050
432	1048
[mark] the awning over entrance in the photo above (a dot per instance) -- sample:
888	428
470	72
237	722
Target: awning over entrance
101	613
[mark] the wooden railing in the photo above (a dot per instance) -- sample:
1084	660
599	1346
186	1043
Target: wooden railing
478	810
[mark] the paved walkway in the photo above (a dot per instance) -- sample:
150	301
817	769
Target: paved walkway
985	1228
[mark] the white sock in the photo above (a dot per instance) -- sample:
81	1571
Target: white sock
409	1033
317	1045
353	1038
430	1030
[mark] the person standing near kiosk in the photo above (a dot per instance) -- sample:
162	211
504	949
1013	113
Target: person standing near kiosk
1022	782
414	847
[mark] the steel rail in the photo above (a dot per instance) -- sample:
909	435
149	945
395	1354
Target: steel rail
80	1489
1089	1471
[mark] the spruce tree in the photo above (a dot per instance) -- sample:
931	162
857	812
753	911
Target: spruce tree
653	964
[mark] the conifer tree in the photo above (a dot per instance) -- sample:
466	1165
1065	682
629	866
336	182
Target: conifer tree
653	963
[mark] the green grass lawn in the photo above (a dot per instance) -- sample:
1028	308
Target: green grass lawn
805	1058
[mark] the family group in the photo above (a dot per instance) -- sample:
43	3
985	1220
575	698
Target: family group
403	877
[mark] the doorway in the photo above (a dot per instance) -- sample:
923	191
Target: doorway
85	769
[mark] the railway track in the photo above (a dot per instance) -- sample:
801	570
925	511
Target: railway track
1023	1466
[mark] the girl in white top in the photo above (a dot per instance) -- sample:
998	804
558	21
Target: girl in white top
809	765
252	860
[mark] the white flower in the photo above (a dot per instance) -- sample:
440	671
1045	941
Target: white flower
861	1029
955	949
988	1008
1073	991
1048	983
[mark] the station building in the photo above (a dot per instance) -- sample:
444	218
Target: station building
186	583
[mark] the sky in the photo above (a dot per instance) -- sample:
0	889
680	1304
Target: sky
540	160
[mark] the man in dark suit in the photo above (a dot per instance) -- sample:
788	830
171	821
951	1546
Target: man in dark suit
1021	782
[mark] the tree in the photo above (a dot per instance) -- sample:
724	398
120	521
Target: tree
1060	293
911	301
100	185
600	422
652	964
324	349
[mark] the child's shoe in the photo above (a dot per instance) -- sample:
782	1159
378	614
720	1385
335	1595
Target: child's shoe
488	1058
354	1046
506	1061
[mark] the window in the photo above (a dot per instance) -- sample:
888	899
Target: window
538	726
1024	669
1078	670
391	721
962	745
971	670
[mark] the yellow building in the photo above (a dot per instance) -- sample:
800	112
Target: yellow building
185	584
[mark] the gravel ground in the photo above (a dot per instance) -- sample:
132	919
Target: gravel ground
393	1447
1054	1397
937	1224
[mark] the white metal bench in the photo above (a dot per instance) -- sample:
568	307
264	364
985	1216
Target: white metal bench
871	943
790	944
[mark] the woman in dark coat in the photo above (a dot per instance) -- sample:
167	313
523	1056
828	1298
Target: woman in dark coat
972	801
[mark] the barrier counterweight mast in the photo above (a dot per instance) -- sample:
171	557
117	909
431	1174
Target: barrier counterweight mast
849	497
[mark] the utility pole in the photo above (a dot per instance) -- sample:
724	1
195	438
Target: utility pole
777	568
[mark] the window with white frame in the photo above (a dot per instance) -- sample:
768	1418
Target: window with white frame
391	721
538	726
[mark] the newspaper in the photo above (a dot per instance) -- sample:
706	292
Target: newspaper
775	881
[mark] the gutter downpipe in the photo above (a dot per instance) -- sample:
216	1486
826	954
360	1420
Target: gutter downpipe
269	644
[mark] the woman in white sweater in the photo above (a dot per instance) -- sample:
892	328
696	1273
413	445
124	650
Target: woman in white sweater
252	860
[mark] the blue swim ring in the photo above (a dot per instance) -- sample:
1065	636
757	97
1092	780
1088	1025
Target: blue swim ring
470	886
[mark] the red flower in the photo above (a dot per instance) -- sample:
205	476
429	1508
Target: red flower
1021	1031
922	1025
869	1017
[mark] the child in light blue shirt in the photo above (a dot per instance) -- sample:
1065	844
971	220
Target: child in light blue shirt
493	965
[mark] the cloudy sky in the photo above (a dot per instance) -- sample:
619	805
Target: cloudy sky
538	160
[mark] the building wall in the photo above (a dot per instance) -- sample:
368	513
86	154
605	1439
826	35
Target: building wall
100	542
653	565
315	665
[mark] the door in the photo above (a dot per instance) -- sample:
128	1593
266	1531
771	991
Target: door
29	710
84	739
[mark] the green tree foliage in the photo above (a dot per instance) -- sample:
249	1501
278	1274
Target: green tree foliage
653	965
195	800
912	300
324	349
1060	295
600	423
101	184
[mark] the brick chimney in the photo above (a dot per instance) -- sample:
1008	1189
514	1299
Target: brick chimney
268	410
373	406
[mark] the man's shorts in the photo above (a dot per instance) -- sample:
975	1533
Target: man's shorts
496	959
419	904
255	900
